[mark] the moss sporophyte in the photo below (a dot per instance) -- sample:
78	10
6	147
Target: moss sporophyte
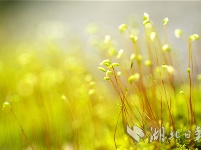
7	105
150	91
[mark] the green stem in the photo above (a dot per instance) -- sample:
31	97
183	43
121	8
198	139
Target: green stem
28	142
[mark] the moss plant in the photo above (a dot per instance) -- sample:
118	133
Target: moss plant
7	105
146	86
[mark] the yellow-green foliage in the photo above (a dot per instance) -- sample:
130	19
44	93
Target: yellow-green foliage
53	100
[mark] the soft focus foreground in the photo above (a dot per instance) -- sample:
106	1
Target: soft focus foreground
53	99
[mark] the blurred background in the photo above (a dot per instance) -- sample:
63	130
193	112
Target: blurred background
33	21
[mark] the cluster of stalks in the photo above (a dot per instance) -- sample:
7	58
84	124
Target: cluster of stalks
145	84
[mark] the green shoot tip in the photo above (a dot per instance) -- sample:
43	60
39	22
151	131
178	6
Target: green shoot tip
5	105
188	70
108	72
178	33
134	77
106	78
166	47
106	62
146	16
122	27
101	69
133	38
194	37
114	64
165	21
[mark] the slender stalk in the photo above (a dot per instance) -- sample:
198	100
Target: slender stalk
170	115
192	120
28	142
116	130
